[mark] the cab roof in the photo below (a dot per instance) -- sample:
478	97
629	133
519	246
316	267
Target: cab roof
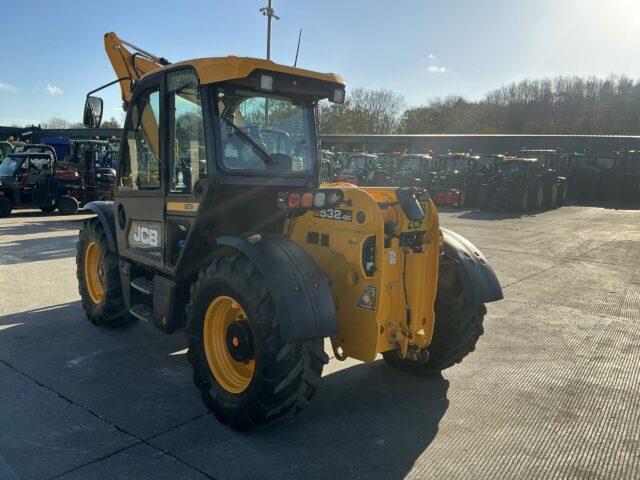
220	69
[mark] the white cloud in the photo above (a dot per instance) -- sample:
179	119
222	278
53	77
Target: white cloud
435	69
5	87
53	90
431	56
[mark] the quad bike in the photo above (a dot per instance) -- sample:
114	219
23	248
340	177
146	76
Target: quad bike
221	233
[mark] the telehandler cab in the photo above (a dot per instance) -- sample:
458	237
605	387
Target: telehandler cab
220	226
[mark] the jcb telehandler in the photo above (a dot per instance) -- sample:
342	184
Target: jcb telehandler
219	225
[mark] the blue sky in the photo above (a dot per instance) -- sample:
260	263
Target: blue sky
52	51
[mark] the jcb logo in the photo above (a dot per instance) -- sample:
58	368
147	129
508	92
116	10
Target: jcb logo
145	235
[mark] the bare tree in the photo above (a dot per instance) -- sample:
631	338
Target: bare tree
55	123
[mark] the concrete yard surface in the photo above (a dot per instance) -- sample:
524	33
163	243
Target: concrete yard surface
552	390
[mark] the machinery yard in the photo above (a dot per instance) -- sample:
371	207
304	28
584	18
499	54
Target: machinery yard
551	390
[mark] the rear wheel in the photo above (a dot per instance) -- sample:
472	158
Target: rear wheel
457	328
67	205
538	196
246	374
48	209
5	207
562	194
553	195
99	277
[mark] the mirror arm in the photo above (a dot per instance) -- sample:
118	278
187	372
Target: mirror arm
109	84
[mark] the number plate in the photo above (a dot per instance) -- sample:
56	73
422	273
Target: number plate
335	214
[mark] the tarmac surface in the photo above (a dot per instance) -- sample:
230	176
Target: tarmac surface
552	390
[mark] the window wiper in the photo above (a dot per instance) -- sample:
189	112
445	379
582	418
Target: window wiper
262	153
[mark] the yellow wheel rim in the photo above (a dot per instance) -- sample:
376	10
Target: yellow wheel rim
232	375
94	273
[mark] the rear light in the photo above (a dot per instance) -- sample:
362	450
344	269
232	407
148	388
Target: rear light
319	199
294	200
305	200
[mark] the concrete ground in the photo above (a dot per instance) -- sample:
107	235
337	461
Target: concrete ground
553	389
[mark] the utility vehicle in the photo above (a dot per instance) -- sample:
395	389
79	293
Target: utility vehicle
217	231
35	180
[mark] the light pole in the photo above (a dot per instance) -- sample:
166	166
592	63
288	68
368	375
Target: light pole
270	13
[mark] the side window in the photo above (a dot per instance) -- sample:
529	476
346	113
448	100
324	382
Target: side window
140	169
187	158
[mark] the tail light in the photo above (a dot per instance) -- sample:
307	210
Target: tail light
310	199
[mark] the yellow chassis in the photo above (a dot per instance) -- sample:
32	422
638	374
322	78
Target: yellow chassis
372	313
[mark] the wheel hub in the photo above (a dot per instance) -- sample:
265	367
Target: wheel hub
240	341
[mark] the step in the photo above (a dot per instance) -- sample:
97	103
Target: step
141	312
143	285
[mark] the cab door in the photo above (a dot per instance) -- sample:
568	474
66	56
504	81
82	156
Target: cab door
139	196
187	172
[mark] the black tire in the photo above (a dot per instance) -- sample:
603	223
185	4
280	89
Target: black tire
286	376
538	196
551	200
67	205
5	207
48	209
457	328
521	201
111	311
563	193
483	196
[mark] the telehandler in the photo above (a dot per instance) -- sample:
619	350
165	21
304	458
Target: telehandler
221	228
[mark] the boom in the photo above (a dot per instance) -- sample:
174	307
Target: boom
130	66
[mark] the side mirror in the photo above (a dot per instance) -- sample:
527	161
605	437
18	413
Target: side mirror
92	112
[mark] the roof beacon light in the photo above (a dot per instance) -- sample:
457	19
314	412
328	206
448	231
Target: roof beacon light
266	83
338	96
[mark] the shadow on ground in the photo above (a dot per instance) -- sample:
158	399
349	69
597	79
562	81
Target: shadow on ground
30	228
38	249
367	421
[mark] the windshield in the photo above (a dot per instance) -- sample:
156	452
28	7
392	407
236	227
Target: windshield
5	149
9	166
357	162
265	133
412	164
453	164
513	168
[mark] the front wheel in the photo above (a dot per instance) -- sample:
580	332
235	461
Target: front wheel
246	374
98	275
67	205
5	207
458	326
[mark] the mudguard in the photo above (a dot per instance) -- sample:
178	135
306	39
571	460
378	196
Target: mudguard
106	214
480	279
300	291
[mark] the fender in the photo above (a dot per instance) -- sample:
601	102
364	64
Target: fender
105	211
300	291
479	278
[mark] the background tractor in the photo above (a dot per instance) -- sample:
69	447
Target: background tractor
222	233
553	170
36	180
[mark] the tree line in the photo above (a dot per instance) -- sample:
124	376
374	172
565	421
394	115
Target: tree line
560	105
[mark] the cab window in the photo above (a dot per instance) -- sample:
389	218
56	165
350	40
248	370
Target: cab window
187	159
140	169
